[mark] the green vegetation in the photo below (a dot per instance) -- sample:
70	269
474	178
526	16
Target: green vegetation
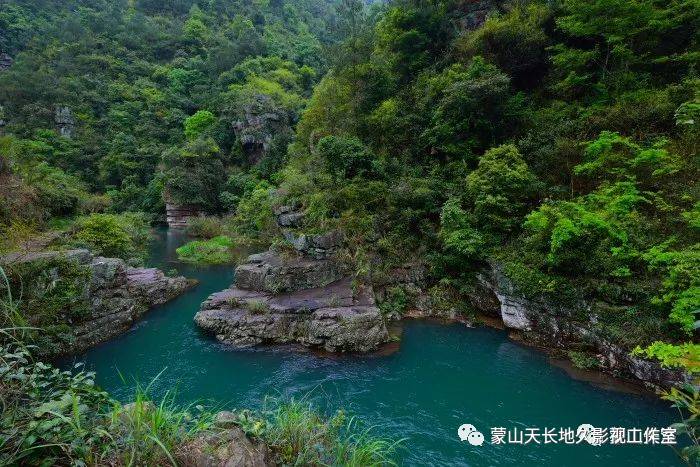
257	307
62	417
557	139
123	236
40	301
538	140
217	250
300	436
687	401
583	360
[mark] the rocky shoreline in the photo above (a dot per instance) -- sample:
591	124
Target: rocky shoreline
552	326
302	295
116	294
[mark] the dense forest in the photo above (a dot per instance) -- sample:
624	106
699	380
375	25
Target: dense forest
557	139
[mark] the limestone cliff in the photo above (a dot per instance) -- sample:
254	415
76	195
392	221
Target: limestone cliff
551	325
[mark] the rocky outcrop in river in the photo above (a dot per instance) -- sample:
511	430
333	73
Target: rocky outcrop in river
302	296
113	294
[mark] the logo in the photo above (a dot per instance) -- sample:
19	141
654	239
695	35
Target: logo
468	432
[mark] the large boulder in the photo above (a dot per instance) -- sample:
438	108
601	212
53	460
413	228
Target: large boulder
226	448
281	300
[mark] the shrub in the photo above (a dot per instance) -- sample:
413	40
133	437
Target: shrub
500	188
583	360
254	220
199	124
49	416
685	356
42	297
345	157
122	236
217	250
204	227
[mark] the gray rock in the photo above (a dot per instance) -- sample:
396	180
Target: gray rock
5	62
65	121
333	317
259	122
225	418
292	219
227	448
272	273
315	246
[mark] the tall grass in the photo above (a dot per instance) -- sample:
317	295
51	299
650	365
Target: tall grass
299	435
146	433
13	324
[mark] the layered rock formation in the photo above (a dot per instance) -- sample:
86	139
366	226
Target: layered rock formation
116	295
177	216
300	297
65	121
556	326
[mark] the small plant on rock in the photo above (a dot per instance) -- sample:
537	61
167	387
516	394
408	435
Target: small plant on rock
257	307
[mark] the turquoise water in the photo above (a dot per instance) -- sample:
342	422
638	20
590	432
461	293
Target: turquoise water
441	377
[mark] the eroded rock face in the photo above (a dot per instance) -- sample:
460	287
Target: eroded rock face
278	300
117	295
556	326
177	216
5	61
259	123
65	121
274	273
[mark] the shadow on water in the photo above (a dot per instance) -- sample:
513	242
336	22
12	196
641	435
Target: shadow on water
440	377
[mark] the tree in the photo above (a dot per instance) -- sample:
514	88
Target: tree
345	158
199	124
500	189
194	174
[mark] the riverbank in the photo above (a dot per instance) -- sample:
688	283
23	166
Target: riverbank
437	377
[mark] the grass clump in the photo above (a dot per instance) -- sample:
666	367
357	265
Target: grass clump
257	307
217	250
299	435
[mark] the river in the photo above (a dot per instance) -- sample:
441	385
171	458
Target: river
440	377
